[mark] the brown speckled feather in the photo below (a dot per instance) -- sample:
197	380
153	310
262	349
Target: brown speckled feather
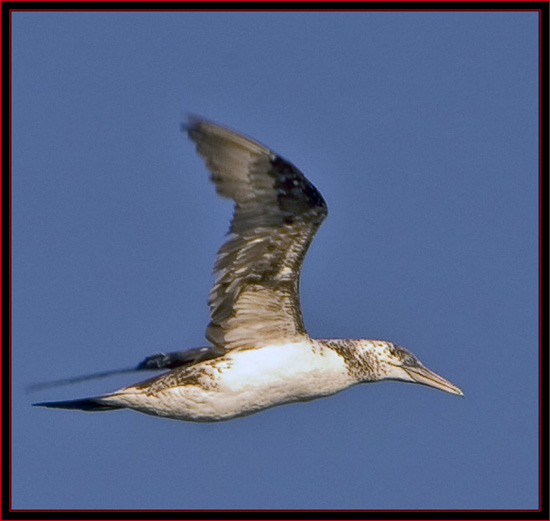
255	297
261	354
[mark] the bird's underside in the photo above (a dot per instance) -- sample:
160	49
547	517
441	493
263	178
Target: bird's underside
260	353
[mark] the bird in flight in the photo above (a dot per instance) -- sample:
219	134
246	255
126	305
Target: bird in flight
260	354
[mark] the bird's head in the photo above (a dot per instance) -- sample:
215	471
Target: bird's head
392	362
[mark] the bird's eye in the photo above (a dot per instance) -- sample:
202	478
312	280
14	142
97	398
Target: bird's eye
409	361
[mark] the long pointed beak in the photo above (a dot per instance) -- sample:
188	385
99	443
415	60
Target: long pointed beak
423	375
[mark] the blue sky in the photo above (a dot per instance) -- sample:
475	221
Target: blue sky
420	130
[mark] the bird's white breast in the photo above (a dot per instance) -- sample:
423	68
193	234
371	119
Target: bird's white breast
245	381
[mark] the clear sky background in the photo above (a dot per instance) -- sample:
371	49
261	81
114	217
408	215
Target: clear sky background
420	130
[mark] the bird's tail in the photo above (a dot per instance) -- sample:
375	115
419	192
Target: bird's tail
96	403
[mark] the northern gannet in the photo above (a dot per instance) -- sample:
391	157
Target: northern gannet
260	354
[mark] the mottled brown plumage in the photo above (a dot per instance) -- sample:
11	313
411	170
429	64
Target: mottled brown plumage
261	355
255	298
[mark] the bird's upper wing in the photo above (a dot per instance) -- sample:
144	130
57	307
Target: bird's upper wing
255	297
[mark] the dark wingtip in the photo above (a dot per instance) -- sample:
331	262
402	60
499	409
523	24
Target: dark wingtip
76	379
85	404
185	127
191	122
179	358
